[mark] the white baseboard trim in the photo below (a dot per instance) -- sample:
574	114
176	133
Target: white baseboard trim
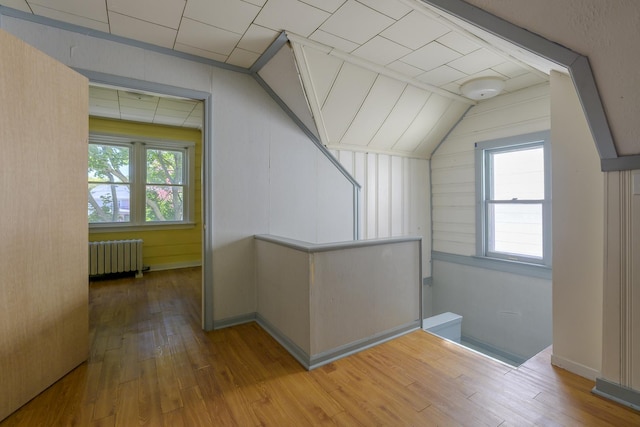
175	265
574	367
294	350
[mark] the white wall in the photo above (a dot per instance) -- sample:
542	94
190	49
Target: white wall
506	311
453	164
253	191
394	198
578	230
621	305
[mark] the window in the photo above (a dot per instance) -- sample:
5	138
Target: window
138	183
513	198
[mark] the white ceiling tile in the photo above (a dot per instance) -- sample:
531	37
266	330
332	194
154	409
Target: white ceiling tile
137	112
441	76
415	30
230	15
476	61
509	69
406	109
381	51
242	58
125	26
162	12
138	104
333	41
200	52
483	73
431	113
130	94
458	42
257	2
112	113
356	22
440	130
193	122
96	92
404	68
431	56
163	112
198	110
168	120
523	81
95	10
345	98
202	36
16	4
70	18
257	39
295	16
453	87
323	69
391	8
177	104
381	99
326	5
103	103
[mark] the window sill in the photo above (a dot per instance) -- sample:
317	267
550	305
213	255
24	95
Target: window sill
125	228
515	262
497	264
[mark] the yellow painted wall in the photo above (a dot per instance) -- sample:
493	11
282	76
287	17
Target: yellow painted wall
162	248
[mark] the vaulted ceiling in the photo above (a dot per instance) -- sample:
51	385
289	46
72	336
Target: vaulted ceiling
375	75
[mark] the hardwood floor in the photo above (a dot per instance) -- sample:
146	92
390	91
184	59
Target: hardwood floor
151	364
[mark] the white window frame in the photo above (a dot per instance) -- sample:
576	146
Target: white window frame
138	182
483	176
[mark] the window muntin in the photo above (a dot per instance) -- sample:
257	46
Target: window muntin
150	182
514	208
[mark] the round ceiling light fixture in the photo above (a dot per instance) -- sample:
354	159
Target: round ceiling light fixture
482	88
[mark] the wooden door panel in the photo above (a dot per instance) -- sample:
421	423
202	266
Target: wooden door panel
43	221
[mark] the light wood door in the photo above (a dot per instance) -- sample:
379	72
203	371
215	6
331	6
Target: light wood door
43	222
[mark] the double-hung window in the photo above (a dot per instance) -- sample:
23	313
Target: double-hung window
138	182
513	198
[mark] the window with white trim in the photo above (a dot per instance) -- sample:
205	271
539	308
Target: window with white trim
138	182
514	198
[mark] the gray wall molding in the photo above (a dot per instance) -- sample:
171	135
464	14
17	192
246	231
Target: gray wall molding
578	66
519	268
326	247
623	395
235	320
357	346
514	359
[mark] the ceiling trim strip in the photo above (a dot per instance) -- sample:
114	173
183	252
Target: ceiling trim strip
379	69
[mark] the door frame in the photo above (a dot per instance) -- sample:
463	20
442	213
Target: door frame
207	171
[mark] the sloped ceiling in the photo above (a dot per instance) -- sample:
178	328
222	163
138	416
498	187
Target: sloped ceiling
361	109
375	75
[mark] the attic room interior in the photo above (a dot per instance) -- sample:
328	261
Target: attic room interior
326	130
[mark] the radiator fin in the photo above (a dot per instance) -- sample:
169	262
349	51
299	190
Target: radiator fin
115	256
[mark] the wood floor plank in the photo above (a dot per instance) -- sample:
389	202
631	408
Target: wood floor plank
150	364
